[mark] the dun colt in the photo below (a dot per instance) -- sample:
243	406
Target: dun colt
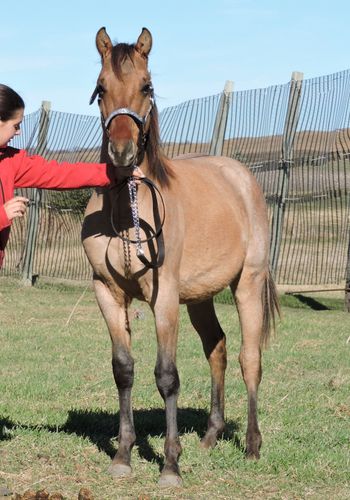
192	227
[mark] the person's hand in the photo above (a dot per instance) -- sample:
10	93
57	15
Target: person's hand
16	207
137	174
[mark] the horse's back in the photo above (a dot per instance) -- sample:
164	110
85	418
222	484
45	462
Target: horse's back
218	173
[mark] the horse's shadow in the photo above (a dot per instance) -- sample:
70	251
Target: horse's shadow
100	427
312	303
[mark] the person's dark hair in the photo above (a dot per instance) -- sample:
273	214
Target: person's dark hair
10	102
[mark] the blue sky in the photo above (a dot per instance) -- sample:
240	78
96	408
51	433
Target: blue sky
48	48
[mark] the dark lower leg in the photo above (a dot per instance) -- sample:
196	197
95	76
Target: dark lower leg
123	371
168	384
114	307
251	371
253	436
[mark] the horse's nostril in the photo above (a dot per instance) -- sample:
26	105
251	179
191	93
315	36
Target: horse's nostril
122	155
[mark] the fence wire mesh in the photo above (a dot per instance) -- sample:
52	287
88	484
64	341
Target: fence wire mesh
295	138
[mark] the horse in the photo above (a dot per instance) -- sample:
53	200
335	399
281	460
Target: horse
191	227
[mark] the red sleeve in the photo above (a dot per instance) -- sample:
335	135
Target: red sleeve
35	171
4	221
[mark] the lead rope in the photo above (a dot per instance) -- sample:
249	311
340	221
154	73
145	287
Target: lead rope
157	235
132	187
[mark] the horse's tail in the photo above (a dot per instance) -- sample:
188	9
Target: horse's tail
270	308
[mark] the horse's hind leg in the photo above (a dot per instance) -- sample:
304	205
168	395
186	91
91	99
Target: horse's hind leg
249	303
204	320
115	315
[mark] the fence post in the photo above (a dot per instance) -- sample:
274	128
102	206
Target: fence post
217	142
347	281
34	207
290	127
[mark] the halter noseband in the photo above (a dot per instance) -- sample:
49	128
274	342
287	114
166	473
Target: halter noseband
140	122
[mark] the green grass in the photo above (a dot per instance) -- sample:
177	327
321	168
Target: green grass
59	415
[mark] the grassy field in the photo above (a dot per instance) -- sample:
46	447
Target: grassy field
59	415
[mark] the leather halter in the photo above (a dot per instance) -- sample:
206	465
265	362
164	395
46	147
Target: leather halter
139	120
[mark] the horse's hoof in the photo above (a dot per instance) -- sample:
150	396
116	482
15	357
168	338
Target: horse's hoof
252	451
170	480
120	470
207	443
252	455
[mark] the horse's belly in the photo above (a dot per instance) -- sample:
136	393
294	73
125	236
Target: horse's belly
203	274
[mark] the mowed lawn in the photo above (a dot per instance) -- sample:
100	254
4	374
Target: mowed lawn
59	413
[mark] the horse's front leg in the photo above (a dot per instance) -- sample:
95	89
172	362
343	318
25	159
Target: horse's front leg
166	313
114	310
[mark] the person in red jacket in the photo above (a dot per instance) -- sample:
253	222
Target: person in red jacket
20	170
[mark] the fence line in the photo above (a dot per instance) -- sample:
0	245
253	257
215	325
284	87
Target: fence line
295	138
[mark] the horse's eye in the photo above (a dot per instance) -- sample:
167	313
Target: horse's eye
100	90
147	89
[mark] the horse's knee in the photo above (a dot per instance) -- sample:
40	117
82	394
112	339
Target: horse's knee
167	378
123	370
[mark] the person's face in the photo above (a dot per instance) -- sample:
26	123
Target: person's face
10	128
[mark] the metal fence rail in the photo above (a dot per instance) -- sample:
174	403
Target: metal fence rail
294	137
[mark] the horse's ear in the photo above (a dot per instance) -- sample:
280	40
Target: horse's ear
103	43
144	43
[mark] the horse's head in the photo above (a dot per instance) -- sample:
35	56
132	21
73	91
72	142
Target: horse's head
125	96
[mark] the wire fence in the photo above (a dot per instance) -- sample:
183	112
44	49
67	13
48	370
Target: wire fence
295	138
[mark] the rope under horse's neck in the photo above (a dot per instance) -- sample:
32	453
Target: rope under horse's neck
158	230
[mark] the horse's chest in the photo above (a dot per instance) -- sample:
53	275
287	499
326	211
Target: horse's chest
116	263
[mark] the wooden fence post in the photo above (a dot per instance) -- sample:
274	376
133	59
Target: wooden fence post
290	127
34	208
217	142
347	281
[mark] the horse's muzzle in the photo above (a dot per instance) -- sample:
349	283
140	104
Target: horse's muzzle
124	154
